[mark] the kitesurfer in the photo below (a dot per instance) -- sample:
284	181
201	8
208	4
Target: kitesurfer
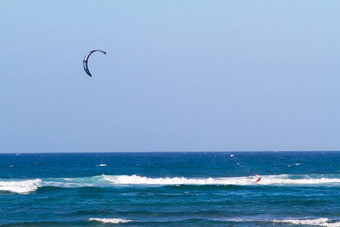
238	162
258	178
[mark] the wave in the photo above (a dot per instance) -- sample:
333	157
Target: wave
310	222
250	180
20	186
300	222
102	165
110	220
250	221
27	186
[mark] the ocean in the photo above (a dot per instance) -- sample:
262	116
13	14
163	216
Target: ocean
170	189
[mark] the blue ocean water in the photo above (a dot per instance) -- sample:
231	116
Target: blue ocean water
170	189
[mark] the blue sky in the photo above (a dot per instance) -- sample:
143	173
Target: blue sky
178	76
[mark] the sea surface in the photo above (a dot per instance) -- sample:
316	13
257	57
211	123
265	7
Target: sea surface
170	189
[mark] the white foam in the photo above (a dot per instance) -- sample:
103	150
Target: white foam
308	222
298	180
126	180
103	164
20	186
311	222
139	180
110	220
266	180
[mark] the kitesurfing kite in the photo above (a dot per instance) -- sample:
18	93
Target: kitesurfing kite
86	68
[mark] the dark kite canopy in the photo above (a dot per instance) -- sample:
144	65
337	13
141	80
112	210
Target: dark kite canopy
86	58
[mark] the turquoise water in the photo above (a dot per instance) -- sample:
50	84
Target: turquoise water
170	189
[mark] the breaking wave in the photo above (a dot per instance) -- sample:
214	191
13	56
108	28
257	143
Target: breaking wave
291	222
310	222
20	186
27	186
110	220
250	180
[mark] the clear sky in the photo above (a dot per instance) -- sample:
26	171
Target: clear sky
191	75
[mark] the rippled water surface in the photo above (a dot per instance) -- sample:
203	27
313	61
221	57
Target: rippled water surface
171	189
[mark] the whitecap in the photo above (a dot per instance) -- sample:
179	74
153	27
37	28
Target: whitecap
110	220
20	186
127	180
176	181
310	222
282	179
103	164
300	222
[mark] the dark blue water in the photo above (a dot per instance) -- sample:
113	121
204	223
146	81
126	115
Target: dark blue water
170	189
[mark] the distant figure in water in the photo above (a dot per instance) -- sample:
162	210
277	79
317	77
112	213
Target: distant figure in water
258	178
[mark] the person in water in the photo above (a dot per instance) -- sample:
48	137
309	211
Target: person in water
258	178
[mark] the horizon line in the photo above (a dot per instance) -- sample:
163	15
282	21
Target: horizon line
89	152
